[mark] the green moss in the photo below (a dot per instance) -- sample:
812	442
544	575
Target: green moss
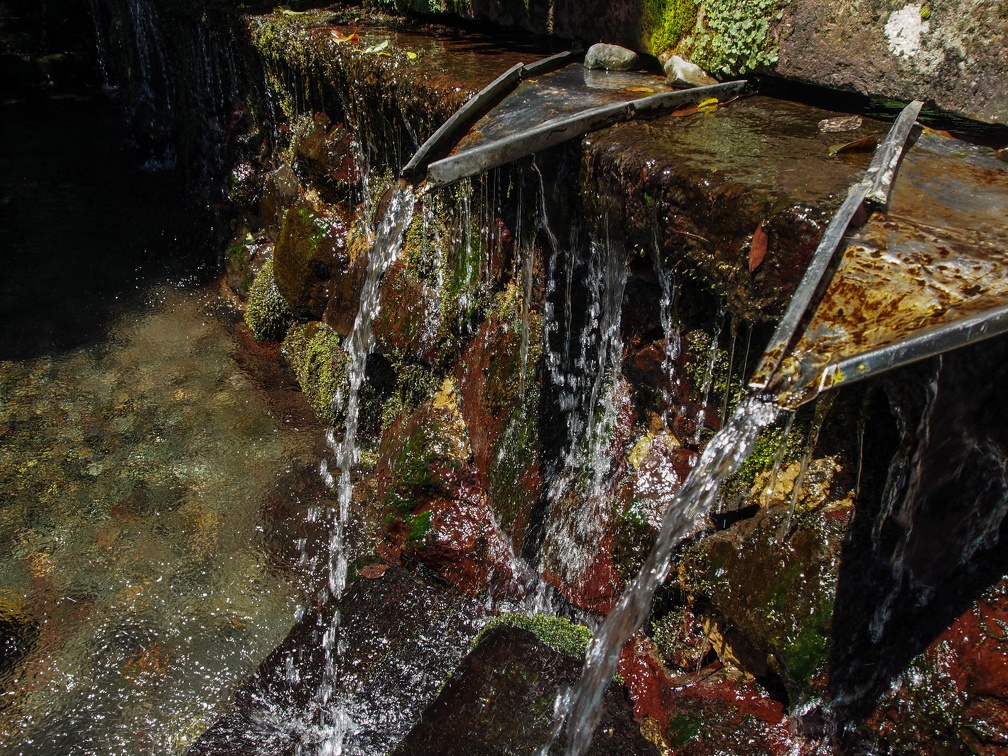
736	36
266	314
316	355
419	526
666	22
764	454
683	728
415	383
296	249
556	632
414	469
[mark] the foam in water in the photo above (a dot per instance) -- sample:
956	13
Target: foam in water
579	708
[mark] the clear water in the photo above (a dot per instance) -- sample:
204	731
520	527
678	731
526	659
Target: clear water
140	463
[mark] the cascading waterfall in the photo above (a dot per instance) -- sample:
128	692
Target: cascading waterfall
578	710
358	345
586	372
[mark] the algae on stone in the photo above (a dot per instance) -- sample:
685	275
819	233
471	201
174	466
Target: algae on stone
556	632
267	314
315	353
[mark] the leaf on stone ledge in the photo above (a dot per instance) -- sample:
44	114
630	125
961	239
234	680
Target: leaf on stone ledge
865	144
758	248
340	38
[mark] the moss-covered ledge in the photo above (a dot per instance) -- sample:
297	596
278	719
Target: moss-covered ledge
392	81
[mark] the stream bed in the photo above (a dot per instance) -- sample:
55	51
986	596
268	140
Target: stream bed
142	456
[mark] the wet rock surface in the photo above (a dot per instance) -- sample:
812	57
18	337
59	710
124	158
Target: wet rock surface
556	344
404	631
500	701
771	588
699	186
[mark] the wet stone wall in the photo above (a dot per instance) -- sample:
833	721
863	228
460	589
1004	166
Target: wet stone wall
555	344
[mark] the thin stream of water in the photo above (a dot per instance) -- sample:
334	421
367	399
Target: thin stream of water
358	345
579	709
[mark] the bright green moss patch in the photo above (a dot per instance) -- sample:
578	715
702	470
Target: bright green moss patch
266	314
665	22
316	355
556	632
419	526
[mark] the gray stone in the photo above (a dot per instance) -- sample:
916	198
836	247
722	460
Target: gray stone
681	71
611	58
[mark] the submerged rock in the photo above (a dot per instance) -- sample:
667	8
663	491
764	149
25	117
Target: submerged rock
611	58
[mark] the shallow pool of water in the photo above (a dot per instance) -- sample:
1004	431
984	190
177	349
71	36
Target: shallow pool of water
143	463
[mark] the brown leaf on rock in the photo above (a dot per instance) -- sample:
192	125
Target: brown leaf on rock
372	571
758	248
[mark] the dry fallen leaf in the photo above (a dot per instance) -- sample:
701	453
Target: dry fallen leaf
757	250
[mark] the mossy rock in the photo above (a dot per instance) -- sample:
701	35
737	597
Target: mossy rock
267	314
421	455
316	355
310	253
772	590
665	22
558	633
499	379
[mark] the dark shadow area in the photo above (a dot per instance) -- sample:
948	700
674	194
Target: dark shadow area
923	545
86	228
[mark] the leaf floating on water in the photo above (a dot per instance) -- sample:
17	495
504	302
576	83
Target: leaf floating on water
758	248
840	123
380	47
348	38
642	89
864	144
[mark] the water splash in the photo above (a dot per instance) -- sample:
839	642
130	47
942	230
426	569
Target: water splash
579	708
358	345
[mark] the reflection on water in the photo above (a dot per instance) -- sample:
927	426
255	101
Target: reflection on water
141	463
135	586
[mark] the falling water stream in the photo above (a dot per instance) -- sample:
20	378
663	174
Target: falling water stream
579	709
387	245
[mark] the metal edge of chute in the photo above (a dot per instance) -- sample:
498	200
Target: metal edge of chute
448	134
558	130
874	187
